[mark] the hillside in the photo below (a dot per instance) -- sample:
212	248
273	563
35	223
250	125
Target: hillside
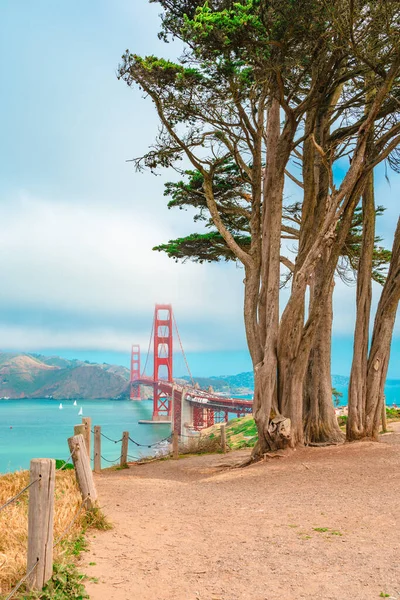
241	384
37	376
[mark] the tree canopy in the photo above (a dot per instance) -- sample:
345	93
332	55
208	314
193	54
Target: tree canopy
265	91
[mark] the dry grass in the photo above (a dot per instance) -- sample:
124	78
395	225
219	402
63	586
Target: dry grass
14	522
202	444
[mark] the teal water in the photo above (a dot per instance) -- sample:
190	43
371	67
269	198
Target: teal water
392	392
39	429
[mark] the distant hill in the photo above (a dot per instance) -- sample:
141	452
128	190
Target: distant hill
37	376
241	384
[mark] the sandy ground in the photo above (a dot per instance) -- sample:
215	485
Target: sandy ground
195	529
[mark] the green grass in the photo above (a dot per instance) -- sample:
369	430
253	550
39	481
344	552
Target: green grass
61	463
383	595
241	433
393	413
327	530
67	583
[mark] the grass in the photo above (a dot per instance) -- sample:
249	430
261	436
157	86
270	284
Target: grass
67	581
393	413
201	444
327	530
240	433
64	465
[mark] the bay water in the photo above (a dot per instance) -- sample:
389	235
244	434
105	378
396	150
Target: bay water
40	429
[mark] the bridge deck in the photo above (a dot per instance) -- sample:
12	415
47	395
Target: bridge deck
199	397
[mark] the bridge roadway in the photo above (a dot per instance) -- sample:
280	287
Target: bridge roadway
199	397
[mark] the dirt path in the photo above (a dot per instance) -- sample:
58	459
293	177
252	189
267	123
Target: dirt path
321	524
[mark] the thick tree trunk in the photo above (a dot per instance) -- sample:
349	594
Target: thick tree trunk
291	369
320	421
379	354
358	376
265	384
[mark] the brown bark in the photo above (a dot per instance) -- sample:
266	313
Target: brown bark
358	375
379	354
265	371
320	421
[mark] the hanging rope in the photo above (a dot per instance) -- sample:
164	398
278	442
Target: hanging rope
66	462
168	438
14	498
183	352
67	529
148	350
21	581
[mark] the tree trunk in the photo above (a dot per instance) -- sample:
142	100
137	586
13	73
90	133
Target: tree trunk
358	375
265	373
379	354
320	421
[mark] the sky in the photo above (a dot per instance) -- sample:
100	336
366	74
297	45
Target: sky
78	276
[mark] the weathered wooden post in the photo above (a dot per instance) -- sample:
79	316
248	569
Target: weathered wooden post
384	417
124	448
97	449
40	522
83	471
223	437
79	429
87	422
175	445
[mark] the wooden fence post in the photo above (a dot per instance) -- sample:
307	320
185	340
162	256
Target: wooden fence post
40	522
87	422
97	449
223	437
124	448
79	429
175	445
83	471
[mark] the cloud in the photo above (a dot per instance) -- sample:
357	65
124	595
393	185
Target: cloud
94	267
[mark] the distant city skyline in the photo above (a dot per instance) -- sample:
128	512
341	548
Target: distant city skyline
78	274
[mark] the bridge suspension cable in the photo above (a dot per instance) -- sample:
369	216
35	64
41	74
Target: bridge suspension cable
183	352
148	349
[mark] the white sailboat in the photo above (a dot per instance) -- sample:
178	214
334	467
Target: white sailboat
60	407
80	411
74	402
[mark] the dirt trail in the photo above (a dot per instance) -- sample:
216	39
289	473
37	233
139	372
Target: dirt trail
321	524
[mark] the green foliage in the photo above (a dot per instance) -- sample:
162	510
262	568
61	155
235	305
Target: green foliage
242	433
77	545
342	420
62	463
321	529
66	584
393	413
202	247
336	396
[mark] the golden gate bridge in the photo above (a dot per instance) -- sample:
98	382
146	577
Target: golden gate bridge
185	406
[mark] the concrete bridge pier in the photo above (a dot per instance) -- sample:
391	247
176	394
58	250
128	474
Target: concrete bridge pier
186	414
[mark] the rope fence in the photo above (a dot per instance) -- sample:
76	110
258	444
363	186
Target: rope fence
14	498
21	581
111	461
69	526
41	498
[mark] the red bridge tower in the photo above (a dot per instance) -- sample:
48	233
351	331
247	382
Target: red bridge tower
163	348
134	392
